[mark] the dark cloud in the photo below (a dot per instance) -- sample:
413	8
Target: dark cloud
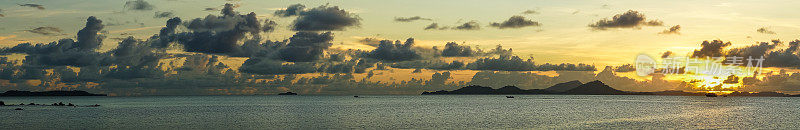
515	22
672	30
514	63
755	51
435	26
410	19
292	10
433	64
325	18
452	49
625	68
1	13
530	12
764	30
66	52
166	35
219	34
471	25
788	57
269	26
163	15
210	9
713	48
306	46
630	19
46	31
37	6
138	5
666	54
88	39
394	52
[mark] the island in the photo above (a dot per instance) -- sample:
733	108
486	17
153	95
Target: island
15	93
577	88
287	93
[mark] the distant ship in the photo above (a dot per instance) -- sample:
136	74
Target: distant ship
711	95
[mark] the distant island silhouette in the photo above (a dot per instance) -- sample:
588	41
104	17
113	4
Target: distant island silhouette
287	93
577	88
15	93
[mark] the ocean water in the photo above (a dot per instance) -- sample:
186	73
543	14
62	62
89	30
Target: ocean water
405	112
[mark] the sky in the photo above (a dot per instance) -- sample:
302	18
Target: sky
555	32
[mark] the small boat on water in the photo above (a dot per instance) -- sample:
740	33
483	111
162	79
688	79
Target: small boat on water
711	95
355	96
509	96
18	109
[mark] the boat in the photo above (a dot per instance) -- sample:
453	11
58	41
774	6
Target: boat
18	109
355	96
509	96
711	95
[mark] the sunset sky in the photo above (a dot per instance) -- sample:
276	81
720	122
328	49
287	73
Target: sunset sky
551	32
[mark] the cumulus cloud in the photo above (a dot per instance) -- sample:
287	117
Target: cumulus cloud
787	57
88	39
397	51
292	10
713	48
429	64
322	18
163	15
138	5
410	19
757	50
514	63
672	30
515	22
629	19
471	25
66	52
306	46
764	30
46	31
452	49
37	6
219	34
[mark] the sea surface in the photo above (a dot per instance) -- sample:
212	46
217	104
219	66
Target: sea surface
405	112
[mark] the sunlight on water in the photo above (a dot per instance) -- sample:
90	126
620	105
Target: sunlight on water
405	112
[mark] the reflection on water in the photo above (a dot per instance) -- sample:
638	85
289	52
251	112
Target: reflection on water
397	112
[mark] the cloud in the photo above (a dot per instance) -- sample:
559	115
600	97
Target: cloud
269	26
410	19
672	30
714	48
66	52
219	34
435	26
452	49
46	31
666	54
429	64
394	52
514	63
292	10
166	34
306	46
530	12
764	30
515	22
755	51
138	5
321	18
87	37
37	6
784	58
163	15
630	19
471	25
1	13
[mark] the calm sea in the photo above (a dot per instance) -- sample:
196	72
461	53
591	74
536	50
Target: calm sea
404	112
